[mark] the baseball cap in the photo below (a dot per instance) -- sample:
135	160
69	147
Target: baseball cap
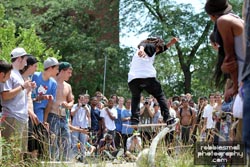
176	103
18	52
64	65
50	61
31	60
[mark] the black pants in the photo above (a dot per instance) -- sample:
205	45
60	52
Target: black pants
153	87
125	138
38	139
118	139
169	138
185	134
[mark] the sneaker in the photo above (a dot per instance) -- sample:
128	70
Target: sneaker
120	153
111	157
170	121
134	121
79	158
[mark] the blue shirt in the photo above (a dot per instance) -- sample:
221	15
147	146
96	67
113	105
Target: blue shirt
43	88
124	114
156	117
95	118
118	121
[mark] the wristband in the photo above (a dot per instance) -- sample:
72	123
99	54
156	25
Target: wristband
22	87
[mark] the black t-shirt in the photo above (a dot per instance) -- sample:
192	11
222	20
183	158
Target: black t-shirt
150	48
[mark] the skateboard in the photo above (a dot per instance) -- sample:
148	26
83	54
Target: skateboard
152	125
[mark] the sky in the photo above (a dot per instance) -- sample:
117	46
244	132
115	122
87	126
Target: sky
132	39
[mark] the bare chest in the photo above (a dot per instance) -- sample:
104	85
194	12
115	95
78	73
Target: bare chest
62	92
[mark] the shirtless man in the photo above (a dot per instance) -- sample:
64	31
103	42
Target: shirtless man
187	118
58	116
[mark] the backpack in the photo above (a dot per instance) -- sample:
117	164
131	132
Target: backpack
190	110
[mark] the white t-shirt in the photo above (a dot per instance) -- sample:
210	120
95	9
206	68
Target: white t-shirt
208	113
80	117
130	140
109	123
141	67
172	112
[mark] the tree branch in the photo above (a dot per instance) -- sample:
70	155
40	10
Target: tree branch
154	11
199	42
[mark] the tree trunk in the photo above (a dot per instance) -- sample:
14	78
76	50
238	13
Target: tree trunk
187	80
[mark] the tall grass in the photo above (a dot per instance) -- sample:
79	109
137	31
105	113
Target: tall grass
165	158
13	157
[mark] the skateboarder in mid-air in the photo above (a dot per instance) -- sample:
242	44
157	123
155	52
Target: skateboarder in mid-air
142	76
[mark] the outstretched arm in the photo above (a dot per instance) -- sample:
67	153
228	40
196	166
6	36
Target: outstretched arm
171	42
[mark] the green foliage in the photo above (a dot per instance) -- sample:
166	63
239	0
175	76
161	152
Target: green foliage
180	157
76	30
11	155
237	6
11	37
184	158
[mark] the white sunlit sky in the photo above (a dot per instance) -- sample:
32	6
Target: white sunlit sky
132	39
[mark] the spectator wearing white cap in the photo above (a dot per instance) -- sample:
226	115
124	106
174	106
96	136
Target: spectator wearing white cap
14	102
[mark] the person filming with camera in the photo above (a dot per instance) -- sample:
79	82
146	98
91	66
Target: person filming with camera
146	115
106	148
133	146
81	119
147	111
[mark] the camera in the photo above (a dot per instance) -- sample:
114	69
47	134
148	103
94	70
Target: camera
223	115
82	105
135	137
146	100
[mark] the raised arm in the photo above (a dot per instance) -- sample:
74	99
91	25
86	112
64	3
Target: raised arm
171	42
